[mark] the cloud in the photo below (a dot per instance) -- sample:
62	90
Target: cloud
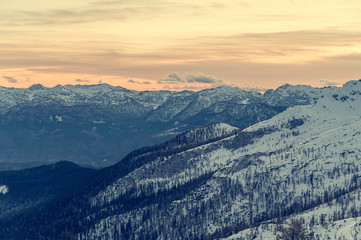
173	78
188	55
233	57
10	79
352	57
202	79
114	2
277	47
65	16
88	13
330	83
81	80
138	82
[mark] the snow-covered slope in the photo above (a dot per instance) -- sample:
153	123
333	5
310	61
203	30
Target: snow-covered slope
287	94
216	181
337	219
303	157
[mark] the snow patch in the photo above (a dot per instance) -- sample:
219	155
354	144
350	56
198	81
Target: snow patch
59	118
99	121
4	189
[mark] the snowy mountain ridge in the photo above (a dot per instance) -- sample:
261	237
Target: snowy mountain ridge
97	125
305	155
102	93
220	182
71	95
107	94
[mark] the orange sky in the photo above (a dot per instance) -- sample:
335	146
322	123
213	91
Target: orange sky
168	44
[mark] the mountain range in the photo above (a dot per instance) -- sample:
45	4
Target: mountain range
224	182
97	125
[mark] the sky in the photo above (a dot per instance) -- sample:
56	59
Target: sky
180	44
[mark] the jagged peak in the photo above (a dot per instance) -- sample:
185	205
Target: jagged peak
95	86
352	85
294	87
37	87
284	86
224	91
226	88
60	88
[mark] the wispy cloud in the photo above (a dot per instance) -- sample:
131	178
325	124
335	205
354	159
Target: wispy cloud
138	82
263	57
173	78
10	79
283	47
330	83
298	46
98	11
103	11
81	80
352	57
64	16
192	82
200	78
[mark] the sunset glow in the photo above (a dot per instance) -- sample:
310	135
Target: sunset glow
176	45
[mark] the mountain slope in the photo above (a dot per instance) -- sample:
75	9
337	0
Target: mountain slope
300	159
25	189
98	125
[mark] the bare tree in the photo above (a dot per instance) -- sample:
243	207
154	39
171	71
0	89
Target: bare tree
294	230
355	230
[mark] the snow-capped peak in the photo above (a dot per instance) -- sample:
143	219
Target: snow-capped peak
353	85
37	87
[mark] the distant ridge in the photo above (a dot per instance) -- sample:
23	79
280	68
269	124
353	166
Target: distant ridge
97	125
